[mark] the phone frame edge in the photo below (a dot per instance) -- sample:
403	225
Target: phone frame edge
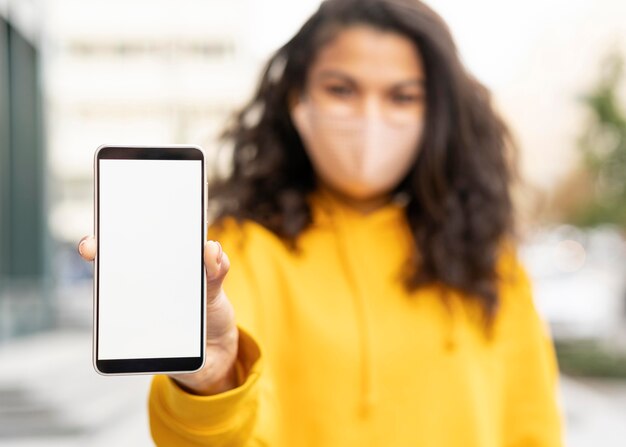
95	261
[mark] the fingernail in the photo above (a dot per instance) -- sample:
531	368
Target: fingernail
80	247
220	253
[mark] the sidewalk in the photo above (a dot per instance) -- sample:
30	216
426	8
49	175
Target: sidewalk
50	395
595	412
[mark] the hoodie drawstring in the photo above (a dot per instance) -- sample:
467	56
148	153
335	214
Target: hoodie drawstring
366	398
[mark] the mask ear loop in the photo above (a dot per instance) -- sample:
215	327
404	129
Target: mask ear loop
299	120
301	99
305	99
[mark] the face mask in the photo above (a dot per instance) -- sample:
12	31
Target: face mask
361	157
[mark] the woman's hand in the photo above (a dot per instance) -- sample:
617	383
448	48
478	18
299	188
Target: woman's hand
218	373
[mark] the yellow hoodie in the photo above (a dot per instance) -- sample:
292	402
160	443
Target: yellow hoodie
334	352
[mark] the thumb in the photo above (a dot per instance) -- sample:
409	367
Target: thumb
216	265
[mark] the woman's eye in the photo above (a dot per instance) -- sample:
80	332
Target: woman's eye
339	90
407	98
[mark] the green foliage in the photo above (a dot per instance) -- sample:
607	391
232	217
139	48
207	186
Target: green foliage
590	359
603	145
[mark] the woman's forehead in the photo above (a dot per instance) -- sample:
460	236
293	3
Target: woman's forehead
368	54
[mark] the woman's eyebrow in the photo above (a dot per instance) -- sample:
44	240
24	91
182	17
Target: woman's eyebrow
419	82
336	74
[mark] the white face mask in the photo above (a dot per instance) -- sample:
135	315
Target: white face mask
360	157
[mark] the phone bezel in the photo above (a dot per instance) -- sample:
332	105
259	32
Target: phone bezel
147	365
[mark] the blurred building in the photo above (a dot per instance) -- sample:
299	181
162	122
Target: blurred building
24	273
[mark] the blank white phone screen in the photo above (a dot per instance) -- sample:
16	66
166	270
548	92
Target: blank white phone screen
150	259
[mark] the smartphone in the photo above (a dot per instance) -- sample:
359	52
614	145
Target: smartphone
150	224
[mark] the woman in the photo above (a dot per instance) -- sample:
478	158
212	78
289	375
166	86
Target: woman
368	292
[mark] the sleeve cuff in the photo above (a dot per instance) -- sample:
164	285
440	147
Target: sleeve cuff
217	409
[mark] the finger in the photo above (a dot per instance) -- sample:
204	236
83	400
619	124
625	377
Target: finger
216	264
87	248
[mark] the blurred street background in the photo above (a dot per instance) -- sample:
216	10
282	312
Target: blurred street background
76	74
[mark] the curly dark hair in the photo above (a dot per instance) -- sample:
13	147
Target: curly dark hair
459	200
